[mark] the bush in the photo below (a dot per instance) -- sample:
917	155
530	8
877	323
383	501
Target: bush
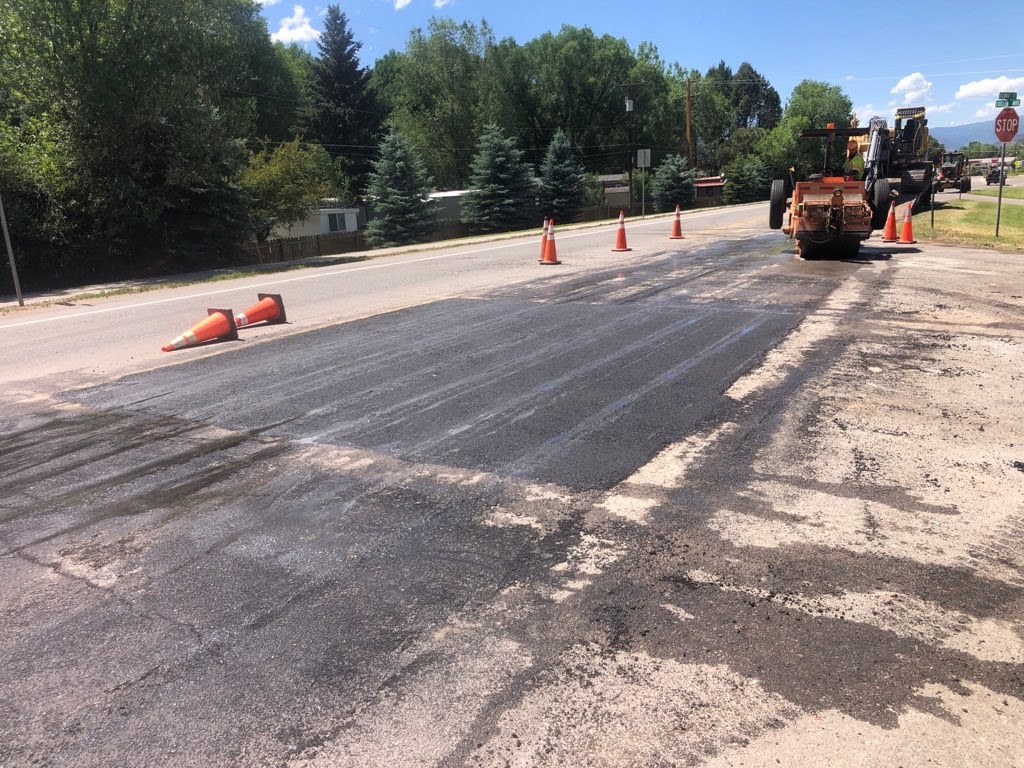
746	181
673	185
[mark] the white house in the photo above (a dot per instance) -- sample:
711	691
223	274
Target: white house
329	217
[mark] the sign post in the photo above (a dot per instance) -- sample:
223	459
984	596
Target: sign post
10	254
1006	127
643	160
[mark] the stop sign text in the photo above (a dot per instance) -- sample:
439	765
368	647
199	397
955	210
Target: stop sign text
1007	123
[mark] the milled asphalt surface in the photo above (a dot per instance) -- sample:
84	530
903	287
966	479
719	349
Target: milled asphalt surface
713	505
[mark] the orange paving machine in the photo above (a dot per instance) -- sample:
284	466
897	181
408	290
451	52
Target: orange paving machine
830	213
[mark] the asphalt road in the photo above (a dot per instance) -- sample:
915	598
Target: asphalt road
702	503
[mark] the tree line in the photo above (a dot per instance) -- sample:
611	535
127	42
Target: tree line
138	138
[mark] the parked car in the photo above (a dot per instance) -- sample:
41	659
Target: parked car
995	176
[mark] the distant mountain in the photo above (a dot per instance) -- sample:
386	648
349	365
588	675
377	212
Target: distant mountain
959	136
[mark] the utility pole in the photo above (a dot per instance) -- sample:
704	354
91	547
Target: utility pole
629	142
10	254
690	161
630	156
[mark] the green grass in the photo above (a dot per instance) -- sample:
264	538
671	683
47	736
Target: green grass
1017	193
973	224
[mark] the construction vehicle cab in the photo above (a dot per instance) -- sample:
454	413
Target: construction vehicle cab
830	213
954	172
997	175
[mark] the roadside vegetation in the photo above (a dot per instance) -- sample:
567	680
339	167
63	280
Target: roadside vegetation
971	223
1017	193
169	134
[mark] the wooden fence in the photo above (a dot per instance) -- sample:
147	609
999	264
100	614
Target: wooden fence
332	244
305	247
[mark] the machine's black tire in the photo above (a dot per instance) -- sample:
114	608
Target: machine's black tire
880	202
807	250
850	248
777	204
965	185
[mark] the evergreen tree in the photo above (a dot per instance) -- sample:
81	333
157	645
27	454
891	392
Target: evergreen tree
342	116
561	192
501	185
756	102
399	191
673	185
746	181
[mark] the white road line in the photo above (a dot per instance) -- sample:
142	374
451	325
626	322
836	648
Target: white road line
321	274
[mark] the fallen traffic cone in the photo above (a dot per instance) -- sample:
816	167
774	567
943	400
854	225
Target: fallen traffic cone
219	325
620	237
550	253
270	308
889	235
907	232
677	228
544	239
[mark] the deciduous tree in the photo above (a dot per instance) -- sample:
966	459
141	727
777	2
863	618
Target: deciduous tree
285	185
813	104
148	101
431	91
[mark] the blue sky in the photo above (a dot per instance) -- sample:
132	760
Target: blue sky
954	58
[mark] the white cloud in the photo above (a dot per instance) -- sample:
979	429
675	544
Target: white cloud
400	4
848	78
296	28
914	88
989	110
268	2
941	108
981	89
441	3
865	113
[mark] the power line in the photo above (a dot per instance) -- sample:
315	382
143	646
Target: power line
940	74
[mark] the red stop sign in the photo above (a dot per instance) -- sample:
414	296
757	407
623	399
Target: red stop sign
1007	124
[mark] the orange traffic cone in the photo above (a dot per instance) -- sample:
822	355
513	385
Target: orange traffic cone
270	308
550	253
620	237
677	228
544	239
219	325
907	232
889	235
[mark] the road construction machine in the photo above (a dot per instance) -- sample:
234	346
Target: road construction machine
900	155
954	173
830	213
